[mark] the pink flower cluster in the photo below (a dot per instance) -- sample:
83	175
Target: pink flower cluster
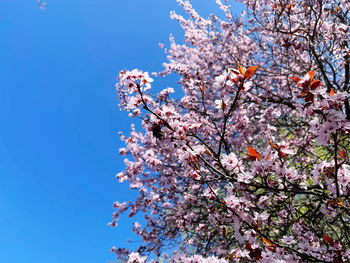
252	163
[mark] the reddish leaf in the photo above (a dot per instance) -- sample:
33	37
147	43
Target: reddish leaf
337	202
278	148
248	246
193	159
253	253
268	242
207	152
240	69
303	94
253	153
342	154
328	239
333	202
251	158
296	79
250	72
256	225
340	201
311	75
274	145
332	92
315	84
309	97
203	87
282	154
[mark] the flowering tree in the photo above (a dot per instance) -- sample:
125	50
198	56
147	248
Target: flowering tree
251	164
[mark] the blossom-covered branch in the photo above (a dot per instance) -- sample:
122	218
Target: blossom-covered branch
252	163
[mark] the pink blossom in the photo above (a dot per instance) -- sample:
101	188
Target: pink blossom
248	163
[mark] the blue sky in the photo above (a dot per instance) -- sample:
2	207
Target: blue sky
60	120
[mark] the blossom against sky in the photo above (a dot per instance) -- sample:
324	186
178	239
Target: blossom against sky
60	120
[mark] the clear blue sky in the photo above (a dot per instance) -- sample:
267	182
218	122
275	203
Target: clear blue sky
60	120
